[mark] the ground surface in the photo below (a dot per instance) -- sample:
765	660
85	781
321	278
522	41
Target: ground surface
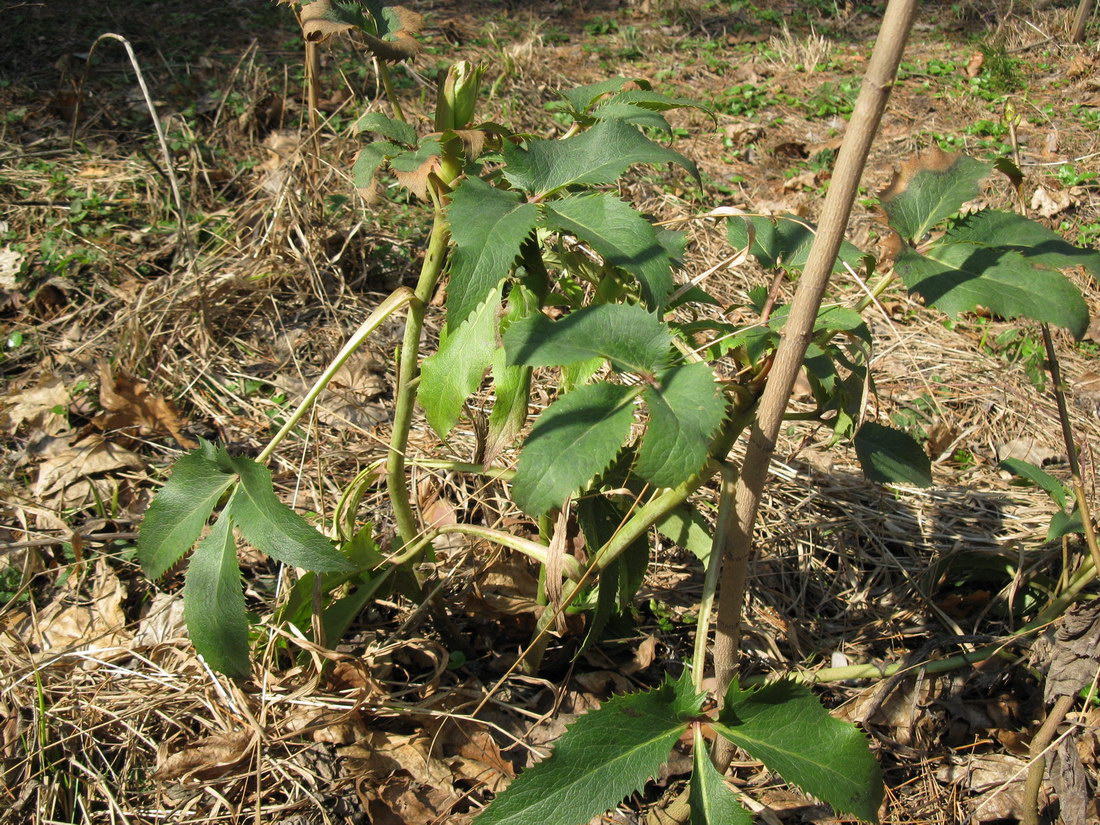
127	336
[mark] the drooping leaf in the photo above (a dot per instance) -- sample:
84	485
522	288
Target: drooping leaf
595	157
784	241
583	97
603	756
1054	488
785	727
1063	524
488	226
627	335
572	442
686	527
891	456
454	372
685	411
387	127
181	508
621	235
213	600
388	30
1039	245
712	801
369	159
274	528
929	188
959	277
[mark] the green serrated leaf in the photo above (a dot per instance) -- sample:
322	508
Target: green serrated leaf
712	801
1063	524
454	372
627	335
181	509
629	113
488	226
370	157
213	600
1054	488
784	241
573	441
621	235
959	277
603	756
582	97
891	456
685	411
785	727
274	528
656	101
931	187
387	127
1039	245
595	157
511	385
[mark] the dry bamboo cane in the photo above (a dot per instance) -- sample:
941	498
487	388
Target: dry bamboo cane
875	92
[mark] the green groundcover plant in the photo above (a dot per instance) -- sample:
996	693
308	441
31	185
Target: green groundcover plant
547	268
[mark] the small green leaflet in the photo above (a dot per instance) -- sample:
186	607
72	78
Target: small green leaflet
713	802
959	277
182	507
621	235
784	242
785	727
930	188
572	442
511	385
370	157
488	226
685	411
890	456
213	601
603	756
274	528
627	335
595	157
582	97
455	371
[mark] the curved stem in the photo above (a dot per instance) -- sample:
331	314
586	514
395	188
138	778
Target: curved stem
391	94
407	368
384	310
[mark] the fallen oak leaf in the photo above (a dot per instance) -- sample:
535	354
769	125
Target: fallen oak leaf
129	406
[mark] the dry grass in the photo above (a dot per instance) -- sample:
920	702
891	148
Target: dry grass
107	715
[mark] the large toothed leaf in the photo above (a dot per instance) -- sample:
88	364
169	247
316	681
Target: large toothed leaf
960	277
488	226
274	528
785	727
573	441
213	601
629	113
929	188
627	335
603	756
595	157
181	508
1039	245
685	411
712	800
891	456
784	242
450	376
621	235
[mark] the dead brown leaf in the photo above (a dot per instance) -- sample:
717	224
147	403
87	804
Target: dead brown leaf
1050	203
130	408
974	66
1076	652
1027	449
67	464
321	21
42	408
75	623
208	758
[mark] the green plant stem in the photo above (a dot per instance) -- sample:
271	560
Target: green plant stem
1058	390
726	514
798	332
1037	753
399	298
538	552
407	368
391	94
